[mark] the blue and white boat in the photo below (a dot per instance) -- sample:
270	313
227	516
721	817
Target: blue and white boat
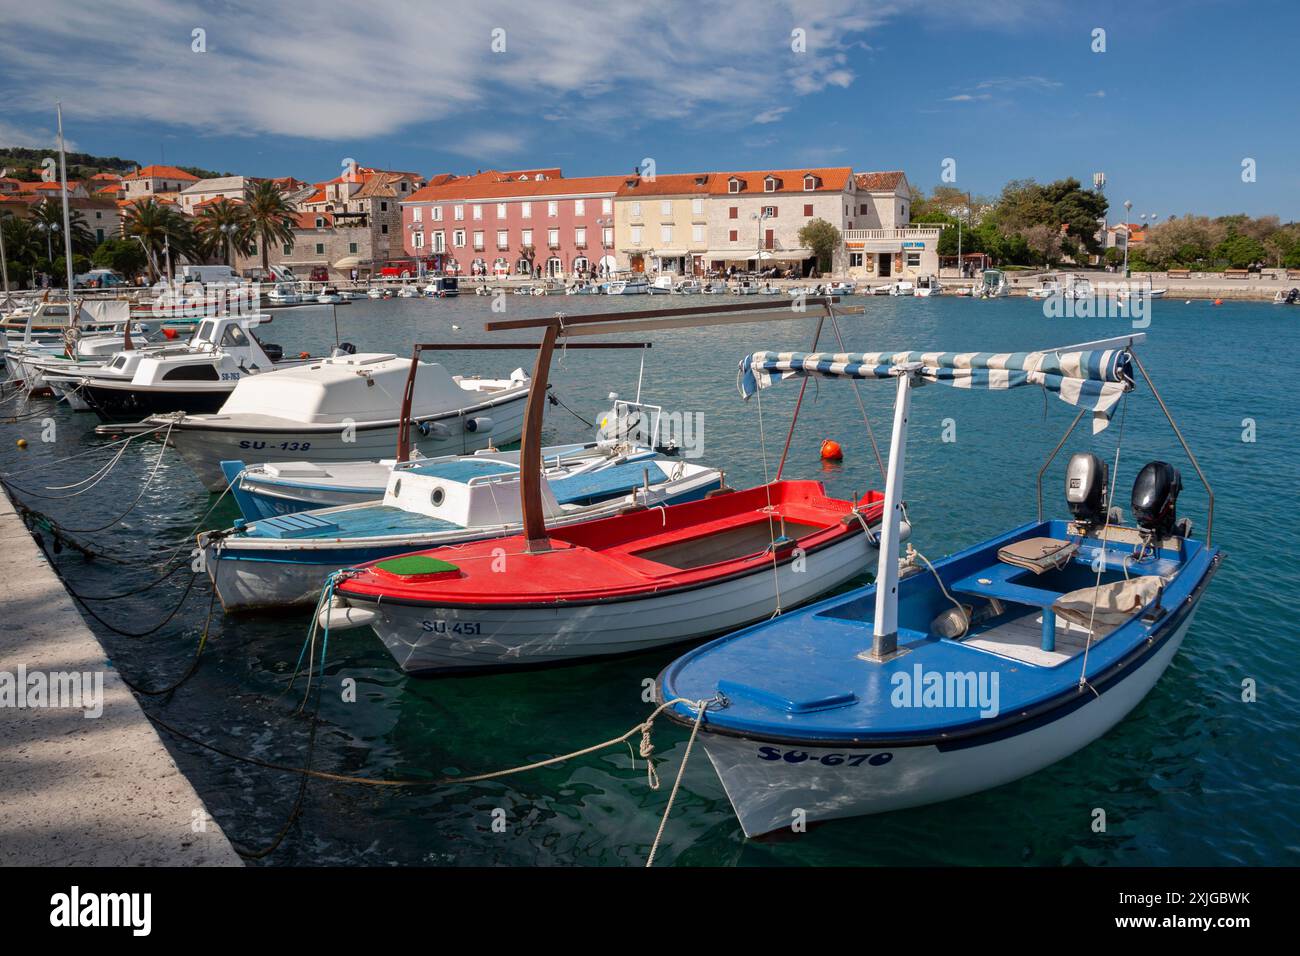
282	561
947	679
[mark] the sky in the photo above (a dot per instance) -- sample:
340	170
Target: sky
1170	99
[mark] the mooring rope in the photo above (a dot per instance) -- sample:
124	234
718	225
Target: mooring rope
681	771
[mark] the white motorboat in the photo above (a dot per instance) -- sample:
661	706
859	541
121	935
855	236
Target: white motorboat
842	288
329	296
283	294
992	285
1047	288
347	408
928	285
636	285
902	287
405	292
662	285
688	287
196	377
745	287
374	292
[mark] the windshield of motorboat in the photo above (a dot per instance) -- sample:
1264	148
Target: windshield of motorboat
234	337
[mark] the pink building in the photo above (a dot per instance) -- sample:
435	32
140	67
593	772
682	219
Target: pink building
514	223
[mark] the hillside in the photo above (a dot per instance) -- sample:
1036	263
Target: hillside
25	164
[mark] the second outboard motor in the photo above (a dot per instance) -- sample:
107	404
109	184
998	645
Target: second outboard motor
1086	478
1155	497
273	352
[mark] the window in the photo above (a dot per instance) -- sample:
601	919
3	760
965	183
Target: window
552	237
580	237
320	248
635	210
352	247
607	206
458	213
503	239
770	184
439	241
697	206
192	373
458	238
501	210
526	210
855	260
383	207
636	235
697	233
437	213
914	260
607	236
527	237
320	222
769	212
862	209
733	185
478	212
418	240
733	212
478	239
286	250
733	236
807	209
665	207
417	214
809	183
552	208
666	233
580	207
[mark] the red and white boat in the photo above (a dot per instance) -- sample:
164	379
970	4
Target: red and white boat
633	581
624	583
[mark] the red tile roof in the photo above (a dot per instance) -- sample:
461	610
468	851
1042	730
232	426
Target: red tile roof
162	172
833	179
307	220
481	187
674	184
879	182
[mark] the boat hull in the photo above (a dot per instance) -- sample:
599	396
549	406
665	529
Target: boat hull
772	784
441	639
205	447
133	404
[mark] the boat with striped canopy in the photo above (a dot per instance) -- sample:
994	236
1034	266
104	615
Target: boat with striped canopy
947	678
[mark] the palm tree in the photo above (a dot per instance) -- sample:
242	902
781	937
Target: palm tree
48	215
221	227
157	226
270	218
22	244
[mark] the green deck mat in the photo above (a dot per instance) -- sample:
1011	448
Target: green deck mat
415	564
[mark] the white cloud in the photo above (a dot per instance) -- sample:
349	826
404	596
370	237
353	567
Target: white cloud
289	68
12	134
771	116
1100	94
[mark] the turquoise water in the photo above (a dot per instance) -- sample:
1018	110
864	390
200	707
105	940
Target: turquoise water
1194	776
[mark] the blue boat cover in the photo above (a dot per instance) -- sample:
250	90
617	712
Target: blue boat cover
1094	379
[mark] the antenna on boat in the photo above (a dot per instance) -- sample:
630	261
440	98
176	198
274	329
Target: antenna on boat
67	232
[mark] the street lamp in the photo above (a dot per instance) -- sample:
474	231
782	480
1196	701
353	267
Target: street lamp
960	212
1128	209
228	229
48	228
758	250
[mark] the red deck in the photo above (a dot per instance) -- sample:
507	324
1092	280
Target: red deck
644	552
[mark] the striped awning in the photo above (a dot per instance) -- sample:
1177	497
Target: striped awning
1093	379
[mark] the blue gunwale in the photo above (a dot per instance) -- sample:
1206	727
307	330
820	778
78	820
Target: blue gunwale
783	668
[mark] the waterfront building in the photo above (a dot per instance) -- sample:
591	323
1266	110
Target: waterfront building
512	223
880	242
661	223
157	181
754	217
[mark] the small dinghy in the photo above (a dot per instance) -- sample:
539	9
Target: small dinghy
969	673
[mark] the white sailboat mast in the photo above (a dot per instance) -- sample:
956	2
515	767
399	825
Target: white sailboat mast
67	231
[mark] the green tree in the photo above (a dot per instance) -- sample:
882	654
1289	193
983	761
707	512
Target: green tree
1240	251
222	227
49	213
823	239
270	218
159	227
123	256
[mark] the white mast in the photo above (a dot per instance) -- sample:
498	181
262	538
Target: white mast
4	266
67	231
884	634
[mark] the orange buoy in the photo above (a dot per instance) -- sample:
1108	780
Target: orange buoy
304	355
1218	302
22	443
831	450
169	333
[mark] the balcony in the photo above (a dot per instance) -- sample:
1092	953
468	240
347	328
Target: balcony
898	233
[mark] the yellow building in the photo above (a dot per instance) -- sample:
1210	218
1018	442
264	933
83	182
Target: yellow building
661	223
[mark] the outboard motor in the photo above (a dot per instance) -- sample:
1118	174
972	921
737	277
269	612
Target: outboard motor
1086	480
273	352
346	348
1155	497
